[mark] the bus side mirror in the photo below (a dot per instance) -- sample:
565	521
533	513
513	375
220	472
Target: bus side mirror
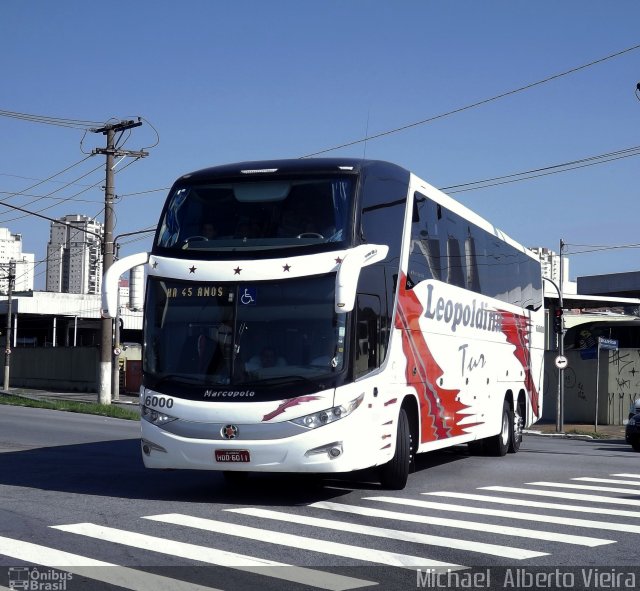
111	281
349	273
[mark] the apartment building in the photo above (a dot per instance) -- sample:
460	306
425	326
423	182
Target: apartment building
11	249
74	260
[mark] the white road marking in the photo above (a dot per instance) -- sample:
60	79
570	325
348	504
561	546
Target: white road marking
268	568
468	525
570	521
97	570
304	543
584	487
418	538
531	503
562	495
606	481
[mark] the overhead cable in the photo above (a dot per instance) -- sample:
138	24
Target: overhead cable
476	104
47	120
545	171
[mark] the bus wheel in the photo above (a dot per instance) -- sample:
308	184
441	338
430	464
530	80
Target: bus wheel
498	445
515	437
394	474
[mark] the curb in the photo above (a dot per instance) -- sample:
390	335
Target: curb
559	435
563	435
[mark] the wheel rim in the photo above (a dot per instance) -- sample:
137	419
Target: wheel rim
517	427
505	429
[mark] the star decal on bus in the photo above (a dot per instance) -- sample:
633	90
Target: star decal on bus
192	269
338	260
286	268
237	270
154	264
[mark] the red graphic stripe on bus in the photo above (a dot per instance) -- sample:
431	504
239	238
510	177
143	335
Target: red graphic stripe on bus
516	328
440	410
285	404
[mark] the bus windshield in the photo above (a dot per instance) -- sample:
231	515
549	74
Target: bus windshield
256	214
229	334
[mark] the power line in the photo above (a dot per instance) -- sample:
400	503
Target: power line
47	120
545	171
476	104
532	173
30	178
62	200
53	198
48	179
598	247
55	204
163	189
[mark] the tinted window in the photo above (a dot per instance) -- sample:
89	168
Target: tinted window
447	247
257	214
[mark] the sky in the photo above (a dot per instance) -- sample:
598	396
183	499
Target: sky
216	82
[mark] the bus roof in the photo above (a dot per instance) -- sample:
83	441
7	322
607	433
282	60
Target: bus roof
291	166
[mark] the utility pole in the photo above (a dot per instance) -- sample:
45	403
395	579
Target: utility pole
7	349
560	402
106	349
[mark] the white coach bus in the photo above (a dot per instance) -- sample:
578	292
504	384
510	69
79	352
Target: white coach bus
330	315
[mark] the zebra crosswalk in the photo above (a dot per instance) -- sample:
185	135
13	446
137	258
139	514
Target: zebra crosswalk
84	566
433	530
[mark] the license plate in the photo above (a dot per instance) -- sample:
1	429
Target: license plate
232	455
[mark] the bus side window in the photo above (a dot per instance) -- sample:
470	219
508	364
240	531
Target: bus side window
424	257
366	341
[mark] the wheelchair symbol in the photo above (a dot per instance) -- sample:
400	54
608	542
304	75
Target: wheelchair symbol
247	298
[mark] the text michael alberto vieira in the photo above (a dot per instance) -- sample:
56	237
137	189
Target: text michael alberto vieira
522	578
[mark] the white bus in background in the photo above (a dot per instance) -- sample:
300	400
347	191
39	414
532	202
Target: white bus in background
330	315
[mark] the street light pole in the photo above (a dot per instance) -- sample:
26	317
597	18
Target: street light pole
560	417
7	349
560	393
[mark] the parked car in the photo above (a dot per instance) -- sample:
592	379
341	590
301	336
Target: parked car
632	432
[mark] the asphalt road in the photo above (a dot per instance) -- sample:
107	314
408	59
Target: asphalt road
75	495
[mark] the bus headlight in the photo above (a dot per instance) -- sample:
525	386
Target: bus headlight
155	417
324	417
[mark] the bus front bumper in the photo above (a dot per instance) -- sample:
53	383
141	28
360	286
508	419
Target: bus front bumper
343	446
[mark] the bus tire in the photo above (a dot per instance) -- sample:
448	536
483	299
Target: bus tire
515	438
498	445
394	474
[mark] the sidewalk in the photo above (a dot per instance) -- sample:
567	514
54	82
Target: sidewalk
576	430
87	397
